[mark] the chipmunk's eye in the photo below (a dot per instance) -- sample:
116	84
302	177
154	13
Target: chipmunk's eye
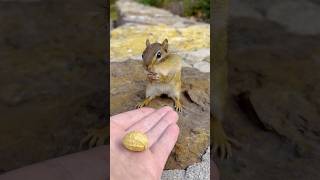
142	56
159	55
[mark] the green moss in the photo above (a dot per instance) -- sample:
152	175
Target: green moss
158	3
199	9
113	12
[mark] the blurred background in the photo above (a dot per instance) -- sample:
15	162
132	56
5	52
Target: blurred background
198	9
274	110
53	77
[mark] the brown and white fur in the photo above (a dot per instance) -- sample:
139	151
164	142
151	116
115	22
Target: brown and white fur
164	73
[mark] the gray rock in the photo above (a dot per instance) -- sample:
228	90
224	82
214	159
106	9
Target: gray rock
185	64
202	66
289	114
198	171
243	9
195	56
173	175
298	17
134	13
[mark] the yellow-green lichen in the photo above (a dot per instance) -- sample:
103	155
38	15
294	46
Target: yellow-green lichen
129	41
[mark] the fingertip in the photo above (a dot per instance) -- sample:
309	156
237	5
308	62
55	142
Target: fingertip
173	116
176	115
167	108
163	147
174	130
151	119
127	119
146	110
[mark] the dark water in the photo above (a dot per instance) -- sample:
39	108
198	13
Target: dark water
53	77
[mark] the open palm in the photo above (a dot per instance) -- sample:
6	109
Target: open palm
162	131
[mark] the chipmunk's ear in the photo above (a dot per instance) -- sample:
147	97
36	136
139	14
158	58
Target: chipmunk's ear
165	45
147	43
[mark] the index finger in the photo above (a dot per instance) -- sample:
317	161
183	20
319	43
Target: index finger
129	118
163	147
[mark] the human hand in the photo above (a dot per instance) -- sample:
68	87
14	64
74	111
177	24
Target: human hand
162	131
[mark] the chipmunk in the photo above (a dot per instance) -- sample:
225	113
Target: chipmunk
163	72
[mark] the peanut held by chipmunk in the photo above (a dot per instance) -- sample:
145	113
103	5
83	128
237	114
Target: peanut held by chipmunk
164	73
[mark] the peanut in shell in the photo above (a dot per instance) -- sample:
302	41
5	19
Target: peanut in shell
135	141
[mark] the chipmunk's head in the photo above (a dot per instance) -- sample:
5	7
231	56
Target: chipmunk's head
154	53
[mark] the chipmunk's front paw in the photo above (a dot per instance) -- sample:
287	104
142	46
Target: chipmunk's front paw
178	106
140	105
144	102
